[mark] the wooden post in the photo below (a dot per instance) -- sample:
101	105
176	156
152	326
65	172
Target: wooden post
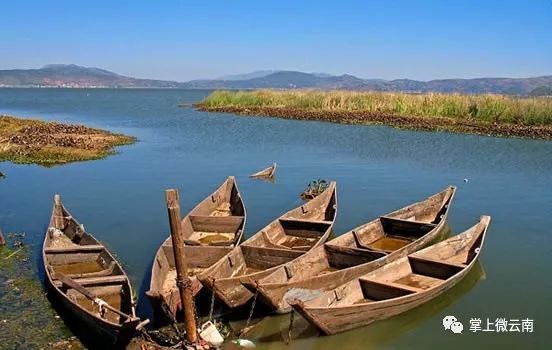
183	283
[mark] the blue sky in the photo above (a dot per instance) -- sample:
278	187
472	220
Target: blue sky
181	40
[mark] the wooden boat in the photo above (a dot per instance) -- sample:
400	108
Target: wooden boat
267	173
356	252
286	238
86	280
211	230
397	287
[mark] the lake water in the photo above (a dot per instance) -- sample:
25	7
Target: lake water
120	199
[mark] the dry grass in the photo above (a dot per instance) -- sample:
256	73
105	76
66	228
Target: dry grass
484	108
47	143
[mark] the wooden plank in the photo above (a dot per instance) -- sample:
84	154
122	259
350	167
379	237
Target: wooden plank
308	220
375	290
91	281
267	257
434	268
216	223
344	257
405	228
75	249
363	252
304	228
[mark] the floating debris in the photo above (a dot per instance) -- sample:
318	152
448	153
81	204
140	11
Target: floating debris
267	173
244	343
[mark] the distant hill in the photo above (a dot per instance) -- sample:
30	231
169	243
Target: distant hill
541	91
291	79
70	75
255	74
82	77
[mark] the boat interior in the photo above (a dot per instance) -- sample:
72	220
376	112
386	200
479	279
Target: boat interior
295	234
72	252
252	259
373	241
217	220
415	273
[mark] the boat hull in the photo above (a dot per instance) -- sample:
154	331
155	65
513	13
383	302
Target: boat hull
337	320
273	295
273	290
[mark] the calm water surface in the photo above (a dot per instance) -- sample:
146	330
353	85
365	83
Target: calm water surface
378	169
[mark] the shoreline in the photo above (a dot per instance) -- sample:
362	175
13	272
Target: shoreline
46	143
466	126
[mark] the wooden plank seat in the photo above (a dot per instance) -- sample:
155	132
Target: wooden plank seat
378	290
208	223
365	252
406	221
434	268
339	257
76	248
306	220
94	281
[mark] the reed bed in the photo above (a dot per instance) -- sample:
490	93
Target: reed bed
488	108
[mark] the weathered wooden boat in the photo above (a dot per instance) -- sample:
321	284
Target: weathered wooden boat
85	279
356	252
211	230
286	238
267	173
397	287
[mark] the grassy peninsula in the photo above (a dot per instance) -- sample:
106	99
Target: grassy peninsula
497	115
49	143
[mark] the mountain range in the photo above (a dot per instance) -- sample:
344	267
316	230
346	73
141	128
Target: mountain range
73	76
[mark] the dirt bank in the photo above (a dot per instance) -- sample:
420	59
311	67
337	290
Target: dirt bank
50	143
396	121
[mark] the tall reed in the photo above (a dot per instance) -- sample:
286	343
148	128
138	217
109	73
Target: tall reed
487	107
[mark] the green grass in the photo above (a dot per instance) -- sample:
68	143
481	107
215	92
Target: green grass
484	108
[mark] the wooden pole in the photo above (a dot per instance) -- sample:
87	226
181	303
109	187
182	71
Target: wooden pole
183	283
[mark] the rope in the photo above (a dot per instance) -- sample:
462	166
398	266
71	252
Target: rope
291	319
252	308
212	299
170	316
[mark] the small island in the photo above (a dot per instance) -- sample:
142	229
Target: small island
30	141
485	114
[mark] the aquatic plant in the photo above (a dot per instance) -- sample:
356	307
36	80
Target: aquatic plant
314	188
27	320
